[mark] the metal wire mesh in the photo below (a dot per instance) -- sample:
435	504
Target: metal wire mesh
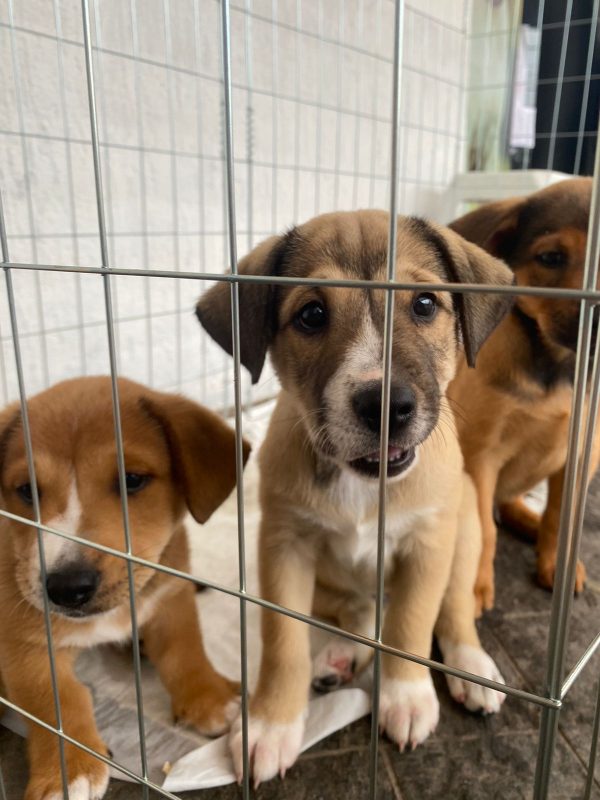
392	170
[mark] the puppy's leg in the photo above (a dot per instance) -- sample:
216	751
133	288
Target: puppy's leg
517	515
341	659
278	707
408	706
200	696
455	629
32	690
548	535
485	477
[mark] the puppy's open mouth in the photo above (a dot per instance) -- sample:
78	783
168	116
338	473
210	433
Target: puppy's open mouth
398	461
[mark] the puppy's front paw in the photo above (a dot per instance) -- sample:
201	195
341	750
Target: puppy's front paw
408	710
88	778
272	747
208	707
546	571
475	660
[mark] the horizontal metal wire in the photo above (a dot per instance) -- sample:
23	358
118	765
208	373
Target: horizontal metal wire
314	622
580	665
592	295
105	759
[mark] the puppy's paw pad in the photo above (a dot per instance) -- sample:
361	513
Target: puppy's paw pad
408	711
475	660
272	747
82	788
334	666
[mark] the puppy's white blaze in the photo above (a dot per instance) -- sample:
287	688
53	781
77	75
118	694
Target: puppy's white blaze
477	661
57	549
272	747
362	362
408	710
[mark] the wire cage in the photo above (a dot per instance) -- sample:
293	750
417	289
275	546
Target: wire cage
145	144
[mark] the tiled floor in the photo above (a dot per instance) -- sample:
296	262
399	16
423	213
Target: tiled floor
469	758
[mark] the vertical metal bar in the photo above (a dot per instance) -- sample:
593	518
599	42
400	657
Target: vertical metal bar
571	514
174	191
235	312
297	75
107	178
460	143
586	86
419	159
34	493
339	105
274	122
89	65
385	400
142	168
591	768
319	109
28	194
70	184
361	22
249	126
485	71
249	155
540	27
201	197
511	71
559	84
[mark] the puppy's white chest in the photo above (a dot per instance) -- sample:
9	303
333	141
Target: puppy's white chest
357	546
112	627
355	504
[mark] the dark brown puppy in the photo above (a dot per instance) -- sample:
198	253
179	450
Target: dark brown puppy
513	410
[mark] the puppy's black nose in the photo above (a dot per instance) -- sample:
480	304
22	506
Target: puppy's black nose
367	407
72	587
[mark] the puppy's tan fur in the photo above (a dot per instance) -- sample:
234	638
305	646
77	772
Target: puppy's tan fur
188	454
513	410
319	517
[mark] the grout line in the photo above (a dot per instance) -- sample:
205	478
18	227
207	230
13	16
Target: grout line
385	757
342	751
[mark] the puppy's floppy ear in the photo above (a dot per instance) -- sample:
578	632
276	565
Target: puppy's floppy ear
478	313
202	448
258	318
493	226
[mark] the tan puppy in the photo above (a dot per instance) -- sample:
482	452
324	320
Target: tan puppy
513	410
178	456
320	466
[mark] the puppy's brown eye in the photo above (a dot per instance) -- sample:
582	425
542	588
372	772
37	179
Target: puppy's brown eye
311	318
424	306
551	258
135	482
26	494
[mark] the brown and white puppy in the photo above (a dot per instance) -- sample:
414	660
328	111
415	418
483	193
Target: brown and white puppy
178	456
513	410
320	466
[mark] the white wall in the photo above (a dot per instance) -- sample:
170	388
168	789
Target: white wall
312	84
